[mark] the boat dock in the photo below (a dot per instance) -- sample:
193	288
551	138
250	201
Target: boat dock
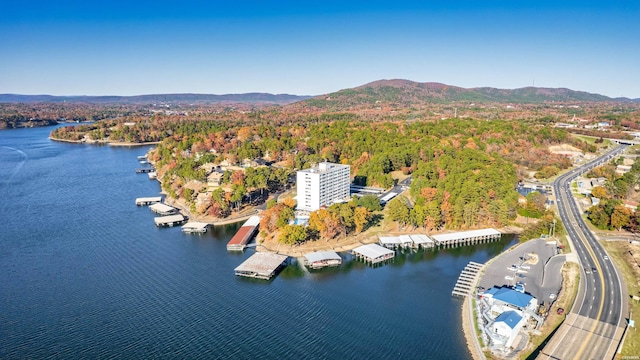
162	209
320	259
170	220
148	200
144	170
372	253
466	237
467	279
153	175
262	265
246	232
142	157
195	227
406	241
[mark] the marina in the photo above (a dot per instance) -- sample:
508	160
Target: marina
143	201
466	237
170	220
372	253
244	235
195	227
320	259
262	265
163	209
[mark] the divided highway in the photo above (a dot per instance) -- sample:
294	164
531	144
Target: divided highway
593	328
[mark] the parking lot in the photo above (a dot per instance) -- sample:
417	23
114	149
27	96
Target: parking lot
534	264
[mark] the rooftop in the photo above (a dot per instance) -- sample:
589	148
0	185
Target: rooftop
261	264
465	234
322	255
511	318
373	251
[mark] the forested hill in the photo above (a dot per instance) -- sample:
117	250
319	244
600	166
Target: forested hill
248	98
408	93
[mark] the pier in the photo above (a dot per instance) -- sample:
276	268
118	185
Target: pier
262	265
467	279
170	220
143	201
372	253
320	259
246	232
162	209
466	237
195	227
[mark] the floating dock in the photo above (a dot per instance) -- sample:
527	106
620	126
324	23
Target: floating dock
170	220
195	227
148	200
372	253
466	237
320	259
246	232
262	265
144	170
142	157
467	279
163	209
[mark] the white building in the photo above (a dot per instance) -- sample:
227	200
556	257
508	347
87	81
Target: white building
323	185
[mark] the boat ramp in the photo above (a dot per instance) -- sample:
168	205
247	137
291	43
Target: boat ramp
372	253
170	220
320	259
143	201
246	232
262	265
467	279
195	227
406	241
163	209
466	237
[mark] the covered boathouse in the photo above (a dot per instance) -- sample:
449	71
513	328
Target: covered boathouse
162	209
320	259
246	232
262	265
195	227
142	201
170	220
466	237
373	253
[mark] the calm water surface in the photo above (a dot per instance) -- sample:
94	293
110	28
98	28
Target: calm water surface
84	273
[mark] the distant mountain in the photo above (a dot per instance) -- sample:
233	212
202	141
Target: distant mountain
409	93
250	98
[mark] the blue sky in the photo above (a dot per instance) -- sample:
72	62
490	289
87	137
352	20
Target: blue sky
148	47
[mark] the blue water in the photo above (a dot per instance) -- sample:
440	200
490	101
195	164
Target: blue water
84	273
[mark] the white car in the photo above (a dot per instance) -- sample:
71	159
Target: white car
606	258
526	267
508	277
552	296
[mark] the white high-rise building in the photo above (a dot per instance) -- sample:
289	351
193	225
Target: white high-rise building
323	185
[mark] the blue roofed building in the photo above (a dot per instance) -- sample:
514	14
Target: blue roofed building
506	327
505	298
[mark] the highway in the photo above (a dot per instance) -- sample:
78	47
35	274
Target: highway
593	328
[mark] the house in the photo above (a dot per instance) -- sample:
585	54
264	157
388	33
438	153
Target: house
215	179
506	326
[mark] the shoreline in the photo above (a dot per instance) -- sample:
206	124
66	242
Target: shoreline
104	142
